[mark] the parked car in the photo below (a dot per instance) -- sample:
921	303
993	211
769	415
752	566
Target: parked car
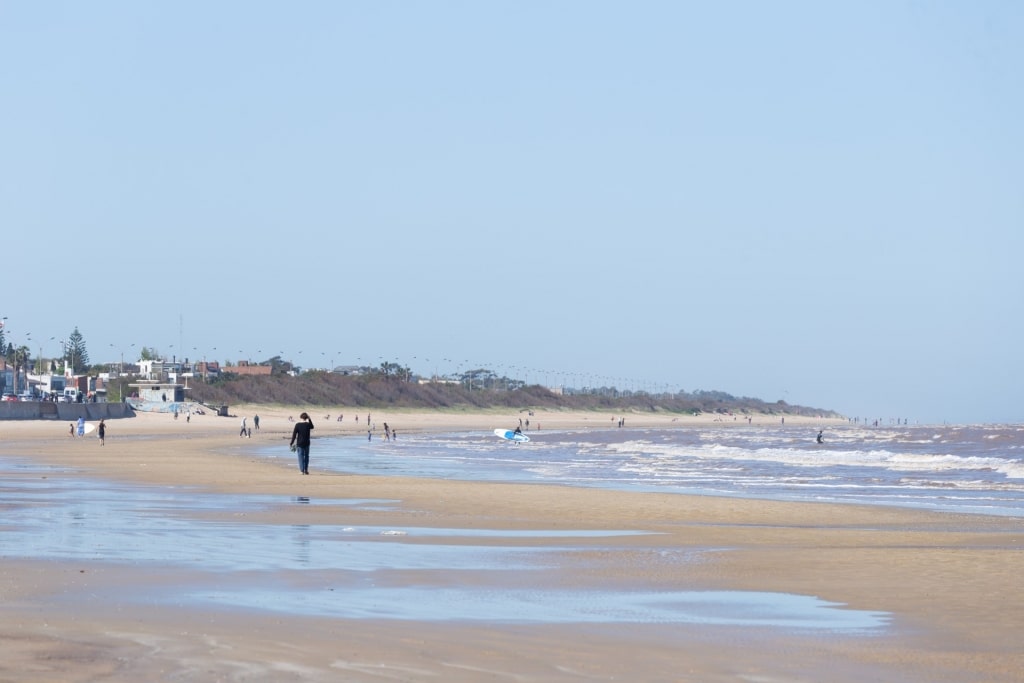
10	397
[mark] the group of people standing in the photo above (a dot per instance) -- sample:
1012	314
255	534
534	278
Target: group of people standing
79	430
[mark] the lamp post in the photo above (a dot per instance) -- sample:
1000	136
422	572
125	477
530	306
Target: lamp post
39	358
24	361
120	367
15	352
3	321
69	352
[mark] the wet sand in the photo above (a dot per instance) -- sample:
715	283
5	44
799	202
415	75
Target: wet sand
949	583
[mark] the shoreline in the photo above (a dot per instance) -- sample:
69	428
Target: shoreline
943	577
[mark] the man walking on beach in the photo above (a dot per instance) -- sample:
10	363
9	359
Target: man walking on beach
300	440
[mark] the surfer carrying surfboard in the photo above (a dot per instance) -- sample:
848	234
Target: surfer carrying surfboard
515	436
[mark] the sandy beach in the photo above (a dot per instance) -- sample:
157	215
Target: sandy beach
949	584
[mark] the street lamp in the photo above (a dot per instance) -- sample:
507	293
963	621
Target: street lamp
17	351
120	367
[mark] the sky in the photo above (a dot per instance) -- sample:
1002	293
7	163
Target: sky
815	202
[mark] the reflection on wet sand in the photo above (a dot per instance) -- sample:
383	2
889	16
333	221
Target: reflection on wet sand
361	571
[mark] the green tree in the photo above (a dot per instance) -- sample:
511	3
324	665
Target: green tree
278	366
76	352
117	389
389	369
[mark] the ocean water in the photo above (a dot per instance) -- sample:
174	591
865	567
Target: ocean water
968	468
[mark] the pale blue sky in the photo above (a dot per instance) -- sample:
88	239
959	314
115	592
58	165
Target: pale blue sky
814	201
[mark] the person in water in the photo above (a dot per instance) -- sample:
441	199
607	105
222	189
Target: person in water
519	430
821	438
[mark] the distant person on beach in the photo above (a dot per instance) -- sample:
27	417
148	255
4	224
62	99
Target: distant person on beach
300	439
821	437
102	431
71	431
81	426
244	431
256	422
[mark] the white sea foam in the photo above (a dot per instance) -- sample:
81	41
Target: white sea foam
955	468
890	460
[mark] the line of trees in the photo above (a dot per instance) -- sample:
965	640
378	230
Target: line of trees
74	349
377	388
392	383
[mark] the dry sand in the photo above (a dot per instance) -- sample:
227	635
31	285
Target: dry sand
952	583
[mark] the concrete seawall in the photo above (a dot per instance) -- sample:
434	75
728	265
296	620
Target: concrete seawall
45	410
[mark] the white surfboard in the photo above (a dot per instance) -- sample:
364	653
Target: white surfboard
511	435
88	429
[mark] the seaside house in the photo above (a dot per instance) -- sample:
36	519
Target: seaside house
156	393
157	370
245	368
206	369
